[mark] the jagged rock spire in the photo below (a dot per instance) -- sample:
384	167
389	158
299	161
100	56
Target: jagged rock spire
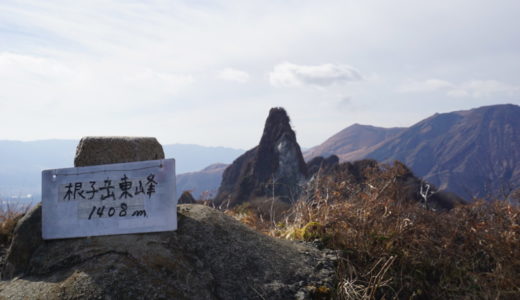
278	141
275	166
276	125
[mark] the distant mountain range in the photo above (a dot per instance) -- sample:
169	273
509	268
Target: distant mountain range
201	184
21	163
474	153
190	158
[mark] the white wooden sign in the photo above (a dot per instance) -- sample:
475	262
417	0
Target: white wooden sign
109	199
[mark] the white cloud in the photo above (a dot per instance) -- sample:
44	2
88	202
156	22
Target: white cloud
230	74
292	75
31	82
36	82
484	88
156	81
472	88
457	93
429	85
18	67
345	102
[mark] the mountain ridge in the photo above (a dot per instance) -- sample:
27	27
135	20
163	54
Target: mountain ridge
360	138
473	152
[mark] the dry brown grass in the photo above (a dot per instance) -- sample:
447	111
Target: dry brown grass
10	213
394	249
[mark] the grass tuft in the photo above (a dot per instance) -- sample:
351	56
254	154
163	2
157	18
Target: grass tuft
10	213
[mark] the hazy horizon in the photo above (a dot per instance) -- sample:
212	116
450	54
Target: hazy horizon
78	139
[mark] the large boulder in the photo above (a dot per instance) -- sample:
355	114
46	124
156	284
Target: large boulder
90	151
210	256
97	150
274	168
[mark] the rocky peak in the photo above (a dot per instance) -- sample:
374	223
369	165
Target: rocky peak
275	166
276	125
278	151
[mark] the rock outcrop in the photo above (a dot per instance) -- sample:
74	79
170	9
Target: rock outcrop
186	198
321	164
360	173
275	167
96	150
27	237
210	256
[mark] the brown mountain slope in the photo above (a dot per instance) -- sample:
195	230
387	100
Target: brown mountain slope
353	142
474	153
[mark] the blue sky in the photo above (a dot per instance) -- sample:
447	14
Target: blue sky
207	72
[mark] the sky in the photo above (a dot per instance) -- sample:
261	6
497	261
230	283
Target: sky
207	72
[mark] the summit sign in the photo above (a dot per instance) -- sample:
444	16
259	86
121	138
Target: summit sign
109	199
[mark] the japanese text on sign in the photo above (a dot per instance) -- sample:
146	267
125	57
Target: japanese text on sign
109	199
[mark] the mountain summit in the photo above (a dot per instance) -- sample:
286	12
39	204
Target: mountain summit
275	167
278	152
353	142
474	153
